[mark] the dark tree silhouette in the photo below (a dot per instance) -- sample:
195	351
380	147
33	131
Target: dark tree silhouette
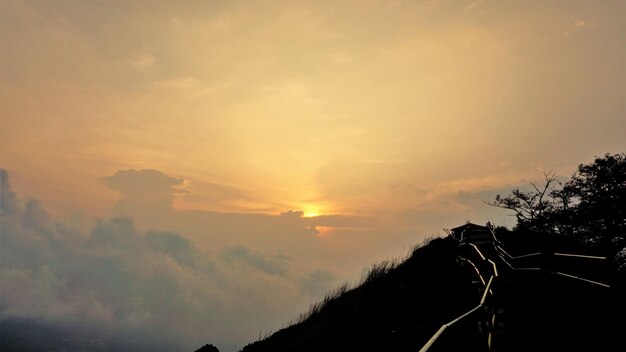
532	208
597	194
589	208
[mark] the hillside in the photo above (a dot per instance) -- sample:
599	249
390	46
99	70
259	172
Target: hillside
397	307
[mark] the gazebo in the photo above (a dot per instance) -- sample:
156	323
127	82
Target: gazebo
470	232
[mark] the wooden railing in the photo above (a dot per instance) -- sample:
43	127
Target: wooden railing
553	263
543	261
484	301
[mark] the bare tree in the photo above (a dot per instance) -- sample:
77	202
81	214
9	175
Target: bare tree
531	207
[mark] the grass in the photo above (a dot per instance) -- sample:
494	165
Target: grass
397	305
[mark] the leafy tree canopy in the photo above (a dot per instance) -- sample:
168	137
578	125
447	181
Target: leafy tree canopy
589	208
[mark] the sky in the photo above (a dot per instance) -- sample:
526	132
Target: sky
219	165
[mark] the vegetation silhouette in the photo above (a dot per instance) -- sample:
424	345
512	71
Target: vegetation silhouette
586	212
399	304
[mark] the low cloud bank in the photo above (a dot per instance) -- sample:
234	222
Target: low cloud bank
116	288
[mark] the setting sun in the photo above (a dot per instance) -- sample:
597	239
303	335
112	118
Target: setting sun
312	212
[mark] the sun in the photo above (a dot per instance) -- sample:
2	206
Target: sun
311	211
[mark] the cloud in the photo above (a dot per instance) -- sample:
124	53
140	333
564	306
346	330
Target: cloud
273	265
148	197
8	202
147	189
144	184
125	289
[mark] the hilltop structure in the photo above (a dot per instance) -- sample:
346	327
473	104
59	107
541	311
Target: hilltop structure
470	233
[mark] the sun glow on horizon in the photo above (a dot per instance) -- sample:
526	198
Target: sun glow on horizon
312	211
311	214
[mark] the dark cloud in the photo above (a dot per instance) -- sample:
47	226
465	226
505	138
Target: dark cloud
273	265
8	200
124	289
25	334
180	249
150	189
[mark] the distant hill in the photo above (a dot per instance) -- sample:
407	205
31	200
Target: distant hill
397	307
400	305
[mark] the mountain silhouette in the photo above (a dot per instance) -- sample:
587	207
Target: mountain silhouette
399	306
396	308
208	348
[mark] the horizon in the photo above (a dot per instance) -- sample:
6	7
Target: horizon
242	159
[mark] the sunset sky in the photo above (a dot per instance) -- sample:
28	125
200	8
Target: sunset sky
256	154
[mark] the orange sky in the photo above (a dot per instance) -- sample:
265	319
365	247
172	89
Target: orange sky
408	113
395	117
305	105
